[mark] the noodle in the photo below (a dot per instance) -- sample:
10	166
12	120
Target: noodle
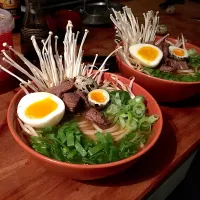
121	136
132	60
89	129
120	131
112	129
146	72
83	123
27	128
189	71
92	137
97	128
88	132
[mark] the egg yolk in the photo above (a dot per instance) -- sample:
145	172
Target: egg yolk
178	52
41	108
98	97
148	53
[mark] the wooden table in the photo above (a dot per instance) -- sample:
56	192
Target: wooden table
23	178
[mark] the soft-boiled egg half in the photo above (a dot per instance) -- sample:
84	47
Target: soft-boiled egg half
41	109
98	97
148	55
178	53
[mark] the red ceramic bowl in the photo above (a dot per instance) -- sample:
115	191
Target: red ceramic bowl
81	171
162	90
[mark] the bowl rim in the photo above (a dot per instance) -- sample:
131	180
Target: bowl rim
160	79
84	166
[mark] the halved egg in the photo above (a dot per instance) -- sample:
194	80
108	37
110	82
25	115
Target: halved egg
148	55
98	97
178	53
41	109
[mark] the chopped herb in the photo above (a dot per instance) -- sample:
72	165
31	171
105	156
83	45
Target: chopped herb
172	76
66	142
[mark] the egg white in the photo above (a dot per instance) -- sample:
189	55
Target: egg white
171	49
50	120
104	93
134	53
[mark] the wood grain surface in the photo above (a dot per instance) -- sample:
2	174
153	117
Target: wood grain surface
21	178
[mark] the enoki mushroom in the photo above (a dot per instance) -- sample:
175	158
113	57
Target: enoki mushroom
54	69
130	32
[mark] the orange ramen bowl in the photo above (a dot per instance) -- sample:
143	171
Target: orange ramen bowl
82	171
162	90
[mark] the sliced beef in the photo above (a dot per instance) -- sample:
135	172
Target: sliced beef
179	64
171	62
71	100
64	87
160	46
182	65
165	68
173	65
97	117
83	97
165	49
169	65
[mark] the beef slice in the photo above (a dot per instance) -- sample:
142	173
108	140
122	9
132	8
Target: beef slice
95	116
59	90
72	101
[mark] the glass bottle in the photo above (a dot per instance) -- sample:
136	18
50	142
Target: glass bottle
33	24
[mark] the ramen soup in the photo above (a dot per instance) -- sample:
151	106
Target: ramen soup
70	114
177	64
103	124
161	58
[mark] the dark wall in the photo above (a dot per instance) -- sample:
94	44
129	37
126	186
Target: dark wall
60	3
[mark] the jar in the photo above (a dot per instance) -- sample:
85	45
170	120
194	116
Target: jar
7	24
13	6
